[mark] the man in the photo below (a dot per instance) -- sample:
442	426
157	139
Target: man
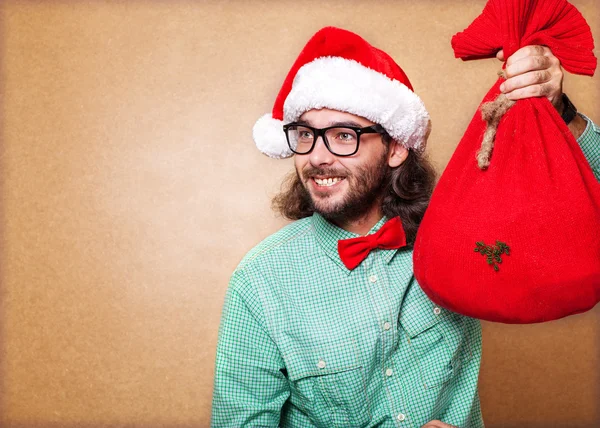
323	323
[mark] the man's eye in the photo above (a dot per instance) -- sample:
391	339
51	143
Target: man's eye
345	136
305	135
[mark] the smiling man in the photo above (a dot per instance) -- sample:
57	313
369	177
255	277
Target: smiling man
324	324
344	187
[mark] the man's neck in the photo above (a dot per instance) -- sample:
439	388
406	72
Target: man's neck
362	225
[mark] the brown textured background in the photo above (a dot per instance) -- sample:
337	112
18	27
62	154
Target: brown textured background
130	189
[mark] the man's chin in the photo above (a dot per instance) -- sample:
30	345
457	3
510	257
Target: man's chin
325	197
332	203
339	212
327	210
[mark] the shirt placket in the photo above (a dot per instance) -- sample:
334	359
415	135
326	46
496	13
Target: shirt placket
386	310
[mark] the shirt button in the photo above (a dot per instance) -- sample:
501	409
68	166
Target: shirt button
437	310
401	416
389	372
373	278
321	364
387	325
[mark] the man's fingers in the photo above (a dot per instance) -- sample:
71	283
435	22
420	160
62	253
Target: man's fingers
533	71
536	77
500	55
530	92
527	51
527	64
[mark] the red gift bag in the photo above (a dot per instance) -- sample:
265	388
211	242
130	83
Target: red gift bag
518	241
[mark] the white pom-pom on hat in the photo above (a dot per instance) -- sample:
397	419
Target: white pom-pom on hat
269	137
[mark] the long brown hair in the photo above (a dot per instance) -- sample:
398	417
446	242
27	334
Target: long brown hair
406	193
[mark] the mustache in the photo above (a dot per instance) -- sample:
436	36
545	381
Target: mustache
314	171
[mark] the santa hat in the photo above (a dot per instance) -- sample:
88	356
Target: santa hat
339	70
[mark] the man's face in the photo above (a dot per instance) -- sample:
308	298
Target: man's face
343	188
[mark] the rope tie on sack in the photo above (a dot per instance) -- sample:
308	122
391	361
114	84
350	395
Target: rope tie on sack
492	112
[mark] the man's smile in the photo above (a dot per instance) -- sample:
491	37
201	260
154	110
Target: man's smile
327	181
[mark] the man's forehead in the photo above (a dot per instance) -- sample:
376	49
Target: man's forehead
328	117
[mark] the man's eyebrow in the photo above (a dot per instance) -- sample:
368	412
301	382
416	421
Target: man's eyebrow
334	123
346	123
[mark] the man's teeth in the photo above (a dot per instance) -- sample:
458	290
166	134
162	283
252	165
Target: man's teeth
327	181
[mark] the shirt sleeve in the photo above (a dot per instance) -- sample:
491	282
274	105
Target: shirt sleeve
464	387
589	142
250	387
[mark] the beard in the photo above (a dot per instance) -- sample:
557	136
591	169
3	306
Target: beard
365	188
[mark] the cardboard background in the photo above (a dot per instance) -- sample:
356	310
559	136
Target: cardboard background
130	189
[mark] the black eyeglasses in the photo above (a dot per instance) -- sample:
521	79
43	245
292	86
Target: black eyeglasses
339	140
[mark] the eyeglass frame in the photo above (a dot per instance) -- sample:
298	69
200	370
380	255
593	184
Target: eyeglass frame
320	132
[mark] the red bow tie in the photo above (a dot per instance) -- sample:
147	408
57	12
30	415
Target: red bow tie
354	250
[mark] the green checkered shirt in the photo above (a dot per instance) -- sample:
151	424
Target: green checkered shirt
590	145
306	342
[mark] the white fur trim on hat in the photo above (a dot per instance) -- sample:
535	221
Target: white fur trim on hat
269	137
346	85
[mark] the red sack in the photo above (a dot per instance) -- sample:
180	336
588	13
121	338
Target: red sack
518	242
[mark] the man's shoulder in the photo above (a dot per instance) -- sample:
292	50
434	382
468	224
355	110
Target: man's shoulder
269	257
289	238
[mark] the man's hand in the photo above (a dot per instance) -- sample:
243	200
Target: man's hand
533	71
437	424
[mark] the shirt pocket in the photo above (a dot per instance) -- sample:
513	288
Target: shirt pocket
437	339
329	384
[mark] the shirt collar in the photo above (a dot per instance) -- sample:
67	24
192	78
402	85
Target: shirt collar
328	235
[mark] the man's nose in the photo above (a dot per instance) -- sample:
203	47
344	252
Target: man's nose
320	154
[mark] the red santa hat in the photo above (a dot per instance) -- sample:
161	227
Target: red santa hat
339	70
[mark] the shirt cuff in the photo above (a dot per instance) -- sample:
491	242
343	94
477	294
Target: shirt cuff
589	142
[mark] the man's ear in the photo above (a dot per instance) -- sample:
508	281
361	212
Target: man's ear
397	154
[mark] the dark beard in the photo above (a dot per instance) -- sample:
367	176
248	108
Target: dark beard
366	189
